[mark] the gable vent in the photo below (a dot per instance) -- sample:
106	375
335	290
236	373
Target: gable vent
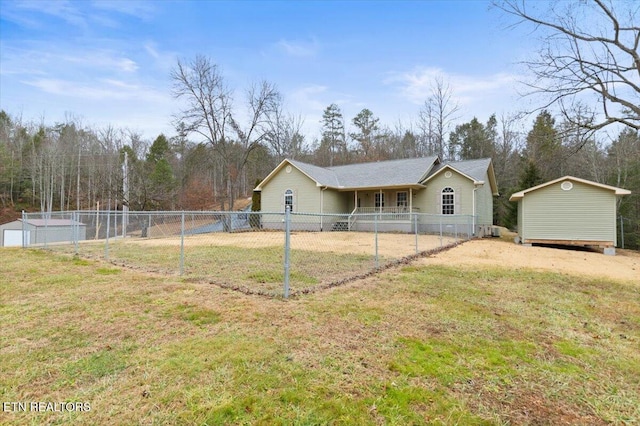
566	185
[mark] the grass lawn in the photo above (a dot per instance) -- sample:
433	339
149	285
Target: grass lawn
414	345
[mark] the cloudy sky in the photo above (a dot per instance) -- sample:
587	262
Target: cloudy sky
108	62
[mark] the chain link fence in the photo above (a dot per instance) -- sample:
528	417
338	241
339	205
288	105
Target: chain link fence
276	254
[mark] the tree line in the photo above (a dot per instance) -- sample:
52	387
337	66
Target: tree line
224	141
70	166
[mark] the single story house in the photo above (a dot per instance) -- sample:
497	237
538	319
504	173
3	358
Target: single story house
392	190
21	233
569	211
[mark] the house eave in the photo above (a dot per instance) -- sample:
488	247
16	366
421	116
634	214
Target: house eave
382	187
617	191
490	172
277	170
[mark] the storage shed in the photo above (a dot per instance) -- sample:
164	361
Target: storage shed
40	231
569	211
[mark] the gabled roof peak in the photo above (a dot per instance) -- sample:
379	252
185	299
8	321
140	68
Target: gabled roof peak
520	194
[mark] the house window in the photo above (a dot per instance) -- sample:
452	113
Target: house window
379	199
288	199
402	199
448	201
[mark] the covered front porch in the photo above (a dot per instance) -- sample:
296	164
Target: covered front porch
385	208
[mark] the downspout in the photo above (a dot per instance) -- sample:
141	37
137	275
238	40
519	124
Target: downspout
473	218
322	189
476	185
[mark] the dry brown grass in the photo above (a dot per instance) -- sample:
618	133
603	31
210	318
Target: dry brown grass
420	344
390	245
625	265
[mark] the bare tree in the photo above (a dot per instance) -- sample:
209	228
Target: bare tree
589	53
284	133
438	113
209	112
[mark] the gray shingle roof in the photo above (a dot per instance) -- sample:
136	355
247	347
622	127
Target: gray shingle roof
53	222
320	174
378	174
475	169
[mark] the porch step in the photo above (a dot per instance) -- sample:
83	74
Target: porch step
340	226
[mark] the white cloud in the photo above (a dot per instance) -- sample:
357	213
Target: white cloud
152	50
104	60
101	90
299	48
416	85
138	9
62	9
308	98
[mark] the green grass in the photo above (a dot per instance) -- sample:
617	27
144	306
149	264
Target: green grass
417	345
258	269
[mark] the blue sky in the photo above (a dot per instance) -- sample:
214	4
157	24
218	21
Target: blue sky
108	62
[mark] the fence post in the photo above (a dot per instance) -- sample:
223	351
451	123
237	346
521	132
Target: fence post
287	248
106	241
182	245
46	229
415	228
76	234
24	229
375	229
455	229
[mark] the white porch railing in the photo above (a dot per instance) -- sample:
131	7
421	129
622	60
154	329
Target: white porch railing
386	213
352	219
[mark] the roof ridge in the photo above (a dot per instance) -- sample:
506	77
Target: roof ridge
382	161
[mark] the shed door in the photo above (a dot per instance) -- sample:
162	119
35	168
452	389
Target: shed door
13	238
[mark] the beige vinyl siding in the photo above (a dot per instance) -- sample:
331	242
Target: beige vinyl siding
306	195
584	213
335	202
429	199
484	203
368	198
520	218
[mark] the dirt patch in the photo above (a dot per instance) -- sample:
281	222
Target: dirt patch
625	265
8	214
389	244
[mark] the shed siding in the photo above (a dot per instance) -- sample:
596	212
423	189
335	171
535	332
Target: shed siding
520	219
13	226
584	213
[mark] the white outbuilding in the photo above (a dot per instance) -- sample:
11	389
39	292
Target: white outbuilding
21	233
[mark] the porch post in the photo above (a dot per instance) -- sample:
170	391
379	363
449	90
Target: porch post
355	201
381	202
410	200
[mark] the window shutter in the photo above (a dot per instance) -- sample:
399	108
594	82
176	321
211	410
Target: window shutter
439	202
456	208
